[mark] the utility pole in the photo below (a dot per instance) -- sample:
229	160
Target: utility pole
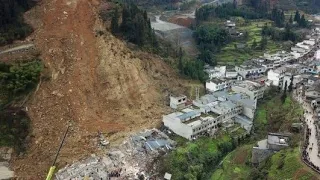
53	167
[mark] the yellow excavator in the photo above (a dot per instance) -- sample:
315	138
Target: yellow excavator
53	167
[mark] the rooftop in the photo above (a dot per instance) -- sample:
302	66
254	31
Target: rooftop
250	64
250	85
217	80
313	78
279	139
188	115
280	69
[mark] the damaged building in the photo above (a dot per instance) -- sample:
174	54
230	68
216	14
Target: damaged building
132	159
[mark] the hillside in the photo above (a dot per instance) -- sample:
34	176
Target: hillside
96	83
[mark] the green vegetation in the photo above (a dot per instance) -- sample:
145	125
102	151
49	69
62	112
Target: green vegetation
194	69
225	11
310	6
259	25
20	77
16	80
135	26
186	5
12	26
235	165
274	116
300	19
231	54
286	164
278	17
193	160
210	39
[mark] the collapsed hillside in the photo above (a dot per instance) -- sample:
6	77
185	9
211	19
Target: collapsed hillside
95	82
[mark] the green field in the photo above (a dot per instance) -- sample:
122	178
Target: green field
230	55
196	159
274	116
286	164
234	165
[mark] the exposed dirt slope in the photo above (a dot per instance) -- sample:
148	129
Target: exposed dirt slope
97	83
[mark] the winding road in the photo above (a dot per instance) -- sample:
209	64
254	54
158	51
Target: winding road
309	118
313	145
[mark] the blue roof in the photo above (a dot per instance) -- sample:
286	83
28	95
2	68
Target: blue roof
156	144
187	115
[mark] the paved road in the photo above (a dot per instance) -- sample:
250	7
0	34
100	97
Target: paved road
25	46
309	119
313	145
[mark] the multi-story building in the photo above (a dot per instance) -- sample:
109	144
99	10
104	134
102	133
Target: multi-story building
276	76
248	105
215	72
265	148
178	102
250	69
214	85
252	89
192	123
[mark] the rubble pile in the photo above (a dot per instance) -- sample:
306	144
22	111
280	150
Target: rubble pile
133	159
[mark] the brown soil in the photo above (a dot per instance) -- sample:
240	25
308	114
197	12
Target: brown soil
301	172
182	21
96	83
241	156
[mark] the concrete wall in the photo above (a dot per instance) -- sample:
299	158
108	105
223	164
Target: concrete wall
258	155
274	77
312	94
177	127
249	112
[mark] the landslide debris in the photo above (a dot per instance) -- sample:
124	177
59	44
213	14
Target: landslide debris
94	82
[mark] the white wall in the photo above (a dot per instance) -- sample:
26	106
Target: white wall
177	127
274	77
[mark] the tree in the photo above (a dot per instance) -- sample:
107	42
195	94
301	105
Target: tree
207	56
180	65
263	43
284	93
303	22
136	27
297	16
114	22
290	87
290	19
254	44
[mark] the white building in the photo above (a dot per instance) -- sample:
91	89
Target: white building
310	42
252	89
248	105
232	74
317	55
250	70
216	72
214	85
288	77
192	123
212	109
178	102
276	76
